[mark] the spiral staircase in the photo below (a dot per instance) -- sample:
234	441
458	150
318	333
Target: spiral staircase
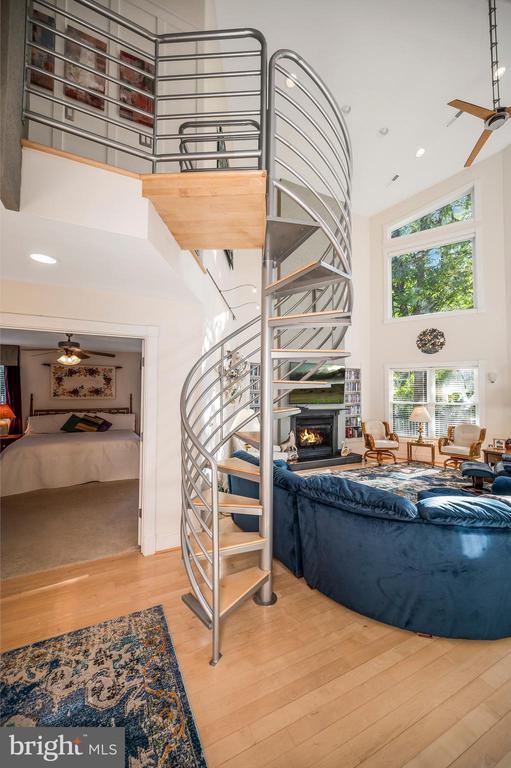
306	305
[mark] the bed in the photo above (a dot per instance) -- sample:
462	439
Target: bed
46	457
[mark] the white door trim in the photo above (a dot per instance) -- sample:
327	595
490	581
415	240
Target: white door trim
149	335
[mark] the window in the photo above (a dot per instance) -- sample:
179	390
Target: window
3	393
460	209
434	272
432	280
451	396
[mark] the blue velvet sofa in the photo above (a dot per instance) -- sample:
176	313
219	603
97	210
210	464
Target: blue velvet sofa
441	566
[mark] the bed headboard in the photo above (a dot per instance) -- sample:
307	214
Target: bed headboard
78	407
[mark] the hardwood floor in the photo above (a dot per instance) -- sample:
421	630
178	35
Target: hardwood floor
305	683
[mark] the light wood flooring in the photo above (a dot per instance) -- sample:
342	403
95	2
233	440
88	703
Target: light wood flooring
305	683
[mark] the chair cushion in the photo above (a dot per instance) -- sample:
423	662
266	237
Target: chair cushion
477	469
476	512
376	429
466	434
386	444
453	450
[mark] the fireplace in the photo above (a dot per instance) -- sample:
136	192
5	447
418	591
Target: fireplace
316	434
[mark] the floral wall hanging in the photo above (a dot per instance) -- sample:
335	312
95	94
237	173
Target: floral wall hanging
82	382
431	341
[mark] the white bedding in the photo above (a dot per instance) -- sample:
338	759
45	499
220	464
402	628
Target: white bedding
61	459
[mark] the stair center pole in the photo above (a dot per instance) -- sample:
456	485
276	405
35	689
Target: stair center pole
266	596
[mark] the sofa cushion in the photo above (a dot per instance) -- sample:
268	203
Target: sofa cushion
442	490
502	468
386	444
502	485
358	498
476	512
461	450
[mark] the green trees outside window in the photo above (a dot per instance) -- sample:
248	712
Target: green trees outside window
457	210
439	279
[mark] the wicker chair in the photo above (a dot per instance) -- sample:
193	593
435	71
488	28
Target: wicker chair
379	441
463	443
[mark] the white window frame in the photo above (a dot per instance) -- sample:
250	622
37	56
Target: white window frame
430	238
430	403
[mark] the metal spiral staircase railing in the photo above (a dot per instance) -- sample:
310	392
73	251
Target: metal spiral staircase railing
305	314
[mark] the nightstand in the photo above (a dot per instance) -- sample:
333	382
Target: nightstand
424	444
6	440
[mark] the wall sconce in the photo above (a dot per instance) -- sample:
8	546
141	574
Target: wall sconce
492	377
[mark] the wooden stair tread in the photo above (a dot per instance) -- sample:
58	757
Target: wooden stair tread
309	353
240	468
252	438
236	586
278	412
327	317
299	384
315	274
230	502
232	540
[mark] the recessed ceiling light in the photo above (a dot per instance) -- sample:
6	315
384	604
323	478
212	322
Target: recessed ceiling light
383	131
420	152
43	258
346	109
290	81
499	72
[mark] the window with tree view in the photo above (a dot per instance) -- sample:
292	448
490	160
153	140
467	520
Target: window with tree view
439	279
435	273
460	209
451	396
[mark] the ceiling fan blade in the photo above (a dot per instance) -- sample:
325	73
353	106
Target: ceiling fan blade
46	352
38	349
101	354
472	109
81	354
483	138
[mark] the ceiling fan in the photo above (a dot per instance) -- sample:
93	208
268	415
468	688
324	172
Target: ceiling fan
72	353
496	117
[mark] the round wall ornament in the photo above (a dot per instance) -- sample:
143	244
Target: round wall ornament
431	340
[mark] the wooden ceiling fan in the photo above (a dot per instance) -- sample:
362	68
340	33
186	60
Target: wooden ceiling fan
496	117
70	351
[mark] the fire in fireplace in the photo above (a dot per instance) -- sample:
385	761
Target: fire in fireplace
316	434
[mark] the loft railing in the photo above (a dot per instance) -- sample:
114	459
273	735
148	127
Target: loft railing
107	81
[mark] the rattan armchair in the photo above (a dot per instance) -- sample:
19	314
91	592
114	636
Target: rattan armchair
379	441
463	443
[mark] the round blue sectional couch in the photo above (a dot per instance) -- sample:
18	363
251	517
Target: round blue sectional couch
440	567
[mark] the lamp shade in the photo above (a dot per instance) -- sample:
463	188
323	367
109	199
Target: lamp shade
6	411
420	413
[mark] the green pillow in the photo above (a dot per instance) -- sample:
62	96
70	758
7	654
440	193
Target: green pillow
85	424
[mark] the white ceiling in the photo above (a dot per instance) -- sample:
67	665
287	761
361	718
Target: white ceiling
397	63
86	257
48	340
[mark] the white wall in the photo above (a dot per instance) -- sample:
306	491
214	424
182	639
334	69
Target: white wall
35	379
481	336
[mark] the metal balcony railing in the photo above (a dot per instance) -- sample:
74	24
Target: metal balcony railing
107	81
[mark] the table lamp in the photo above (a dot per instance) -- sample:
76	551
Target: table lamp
6	414
420	415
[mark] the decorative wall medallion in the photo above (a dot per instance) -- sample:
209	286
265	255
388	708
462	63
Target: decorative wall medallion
431	341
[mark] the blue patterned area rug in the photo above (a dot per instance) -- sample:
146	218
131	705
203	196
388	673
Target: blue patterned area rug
405	479
122	672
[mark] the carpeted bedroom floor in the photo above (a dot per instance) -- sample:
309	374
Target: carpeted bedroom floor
49	528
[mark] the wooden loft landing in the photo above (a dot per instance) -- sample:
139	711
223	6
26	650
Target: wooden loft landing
207	209
211	209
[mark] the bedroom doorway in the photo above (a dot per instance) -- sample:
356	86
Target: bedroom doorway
72	465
